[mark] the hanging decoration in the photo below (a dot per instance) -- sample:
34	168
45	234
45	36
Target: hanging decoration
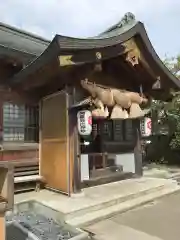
124	104
84	122
146	127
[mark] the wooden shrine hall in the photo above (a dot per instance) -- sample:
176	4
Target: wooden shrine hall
92	94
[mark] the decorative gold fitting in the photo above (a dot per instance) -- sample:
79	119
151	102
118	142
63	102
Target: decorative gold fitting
98	56
66	60
133	58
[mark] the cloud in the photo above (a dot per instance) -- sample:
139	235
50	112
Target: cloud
81	18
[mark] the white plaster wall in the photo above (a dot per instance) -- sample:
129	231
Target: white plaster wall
84	167
127	161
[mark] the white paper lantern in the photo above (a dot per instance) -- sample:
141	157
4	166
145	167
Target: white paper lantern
84	122
146	128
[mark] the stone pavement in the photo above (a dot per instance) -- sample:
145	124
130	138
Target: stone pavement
161	171
101	202
158	220
110	230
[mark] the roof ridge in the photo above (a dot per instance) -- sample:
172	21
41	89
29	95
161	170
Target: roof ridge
128	19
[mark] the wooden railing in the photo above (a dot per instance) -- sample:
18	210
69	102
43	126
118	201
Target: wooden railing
26	174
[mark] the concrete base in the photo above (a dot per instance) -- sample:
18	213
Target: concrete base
103	201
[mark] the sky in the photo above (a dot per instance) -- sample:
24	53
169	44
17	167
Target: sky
84	18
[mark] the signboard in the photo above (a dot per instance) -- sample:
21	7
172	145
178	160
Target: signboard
84	122
146	127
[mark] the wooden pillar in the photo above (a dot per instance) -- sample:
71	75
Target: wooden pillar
6	194
77	162
138	152
2	226
77	148
1	120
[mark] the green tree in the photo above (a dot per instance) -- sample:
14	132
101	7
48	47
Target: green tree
173	64
173	109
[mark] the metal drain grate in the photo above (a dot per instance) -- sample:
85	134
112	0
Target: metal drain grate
31	226
14	232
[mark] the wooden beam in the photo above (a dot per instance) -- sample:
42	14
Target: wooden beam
127	74
41	76
15	96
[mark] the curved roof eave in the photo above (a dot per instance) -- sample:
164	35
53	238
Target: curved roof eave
70	44
36	64
156	58
114	39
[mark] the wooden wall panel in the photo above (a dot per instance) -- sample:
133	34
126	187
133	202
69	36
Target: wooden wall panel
54	167
56	159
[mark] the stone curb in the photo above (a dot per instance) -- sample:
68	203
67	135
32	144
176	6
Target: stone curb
96	216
